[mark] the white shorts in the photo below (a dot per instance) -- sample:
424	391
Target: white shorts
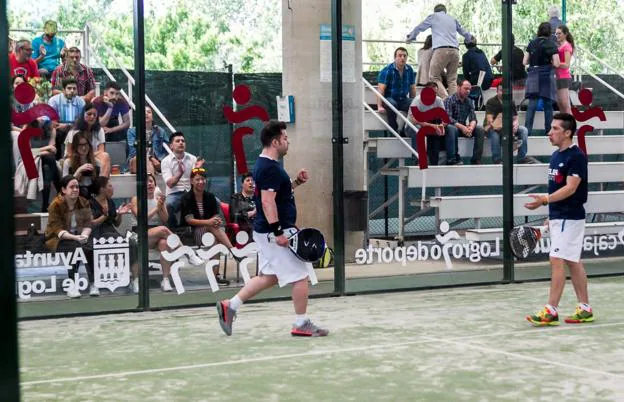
279	261
566	238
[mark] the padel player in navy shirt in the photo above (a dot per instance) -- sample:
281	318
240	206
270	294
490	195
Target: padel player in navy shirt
275	220
567	192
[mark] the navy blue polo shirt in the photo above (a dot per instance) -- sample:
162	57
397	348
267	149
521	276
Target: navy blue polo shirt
269	175
570	162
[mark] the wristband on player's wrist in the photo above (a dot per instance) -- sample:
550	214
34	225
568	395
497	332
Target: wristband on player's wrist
276	229
297	182
545	200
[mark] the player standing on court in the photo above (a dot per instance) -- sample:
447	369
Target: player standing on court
567	192
274	198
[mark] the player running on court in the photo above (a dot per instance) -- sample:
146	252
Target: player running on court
567	192
276	212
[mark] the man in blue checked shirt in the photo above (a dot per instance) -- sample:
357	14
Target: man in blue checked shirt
444	30
397	83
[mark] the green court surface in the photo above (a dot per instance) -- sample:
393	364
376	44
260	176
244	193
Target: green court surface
462	344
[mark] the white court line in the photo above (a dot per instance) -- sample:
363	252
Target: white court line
424	339
524	357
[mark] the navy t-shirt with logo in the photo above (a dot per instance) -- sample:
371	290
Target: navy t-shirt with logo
570	162
270	176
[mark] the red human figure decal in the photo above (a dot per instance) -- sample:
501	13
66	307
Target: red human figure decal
586	97
25	94
242	95
427	97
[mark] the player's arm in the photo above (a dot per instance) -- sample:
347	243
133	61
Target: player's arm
269	207
572	183
302	177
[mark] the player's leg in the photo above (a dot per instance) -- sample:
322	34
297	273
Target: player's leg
300	293
557	281
583	312
303	326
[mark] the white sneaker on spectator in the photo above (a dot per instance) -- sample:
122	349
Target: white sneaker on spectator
73	292
165	285
135	285
93	291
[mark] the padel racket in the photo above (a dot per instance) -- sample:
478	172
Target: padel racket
523	240
308	244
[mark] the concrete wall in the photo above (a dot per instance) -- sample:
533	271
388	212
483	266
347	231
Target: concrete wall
310	136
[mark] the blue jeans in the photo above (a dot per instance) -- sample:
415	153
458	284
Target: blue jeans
402	105
451	136
173	202
532	108
495	143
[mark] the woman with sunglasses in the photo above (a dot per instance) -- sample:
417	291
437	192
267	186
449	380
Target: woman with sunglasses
82	163
157	232
200	210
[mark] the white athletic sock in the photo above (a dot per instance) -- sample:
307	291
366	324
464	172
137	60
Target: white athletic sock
585	306
235	303
300	319
552	309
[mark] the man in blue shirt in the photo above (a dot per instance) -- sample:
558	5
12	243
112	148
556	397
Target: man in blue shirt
48	49
473	62
397	83
275	220
567	192
444	29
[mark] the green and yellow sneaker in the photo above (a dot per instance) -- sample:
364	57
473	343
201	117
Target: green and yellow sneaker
580	316
543	318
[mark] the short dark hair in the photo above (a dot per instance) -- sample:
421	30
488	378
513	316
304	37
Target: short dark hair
544	29
112	84
431	84
470	43
99	183
399	49
271	131
74	49
175	134
69	80
245	176
66	180
439	7
568	122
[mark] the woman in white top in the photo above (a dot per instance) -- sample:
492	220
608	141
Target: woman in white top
157	232
89	124
424	59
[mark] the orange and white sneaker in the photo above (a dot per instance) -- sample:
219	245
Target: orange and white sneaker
544	317
581	315
308	329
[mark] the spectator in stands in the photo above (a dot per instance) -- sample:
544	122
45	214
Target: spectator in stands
566	49
200	210
155	139
242	205
88	123
157	233
110	106
553	20
463	122
21	62
47	49
494	124
444	29
69	227
69	107
82	164
434	142
473	62
176	171
11	45
15	105
71	67
397	83
106	216
424	60
518	71
542	56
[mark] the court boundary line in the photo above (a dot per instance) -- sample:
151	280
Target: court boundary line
423	339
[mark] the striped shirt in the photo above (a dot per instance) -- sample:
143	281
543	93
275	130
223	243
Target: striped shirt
68	110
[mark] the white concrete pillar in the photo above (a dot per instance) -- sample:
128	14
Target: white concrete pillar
310	135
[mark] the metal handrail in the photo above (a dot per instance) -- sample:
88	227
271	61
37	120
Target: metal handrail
602	62
131	82
600	80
